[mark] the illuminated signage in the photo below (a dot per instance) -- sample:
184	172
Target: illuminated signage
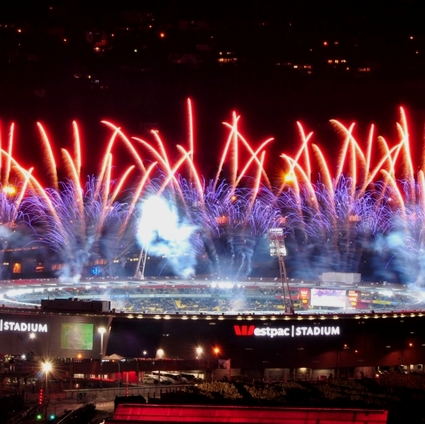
31	327
304	294
244	330
78	336
332	298
290	331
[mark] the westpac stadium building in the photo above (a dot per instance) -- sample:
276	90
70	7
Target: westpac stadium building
269	344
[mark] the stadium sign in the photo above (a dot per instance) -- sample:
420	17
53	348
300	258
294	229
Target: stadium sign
16	326
290	331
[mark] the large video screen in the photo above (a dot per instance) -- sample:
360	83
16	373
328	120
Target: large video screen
330	298
77	336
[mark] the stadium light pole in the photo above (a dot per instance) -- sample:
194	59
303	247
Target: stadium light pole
141	264
277	239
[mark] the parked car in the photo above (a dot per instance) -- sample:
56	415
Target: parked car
178	379
150	379
164	378
190	378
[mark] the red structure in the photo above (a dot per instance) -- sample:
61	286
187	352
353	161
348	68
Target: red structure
132	413
41	397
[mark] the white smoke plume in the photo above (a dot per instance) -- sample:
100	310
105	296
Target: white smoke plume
161	232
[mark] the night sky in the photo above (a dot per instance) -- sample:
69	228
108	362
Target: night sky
37	68
135	63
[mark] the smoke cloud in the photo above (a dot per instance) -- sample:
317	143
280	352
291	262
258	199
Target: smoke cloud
163	233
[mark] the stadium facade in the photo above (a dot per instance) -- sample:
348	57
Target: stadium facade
270	347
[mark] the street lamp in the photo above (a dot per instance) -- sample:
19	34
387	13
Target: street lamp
46	367
101	331
119	371
216	351
199	351
159	355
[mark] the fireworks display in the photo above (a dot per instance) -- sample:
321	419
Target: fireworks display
363	213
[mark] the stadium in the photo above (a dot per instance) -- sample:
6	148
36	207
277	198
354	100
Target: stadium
218	329
228	277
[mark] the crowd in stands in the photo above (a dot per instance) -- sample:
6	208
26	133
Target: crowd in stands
199	298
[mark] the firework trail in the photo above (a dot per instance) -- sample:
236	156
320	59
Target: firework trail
402	245
333	232
365	207
86	232
83	223
219	219
230	223
335	223
15	227
365	212
15	231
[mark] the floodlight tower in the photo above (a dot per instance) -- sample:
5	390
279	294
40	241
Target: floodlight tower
278	249
141	265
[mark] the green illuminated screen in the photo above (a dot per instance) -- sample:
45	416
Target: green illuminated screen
77	336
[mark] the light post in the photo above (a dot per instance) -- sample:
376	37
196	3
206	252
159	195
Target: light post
32	348
216	352
137	363
199	351
119	372
101	331
46	367
159	355
340	359
405	365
